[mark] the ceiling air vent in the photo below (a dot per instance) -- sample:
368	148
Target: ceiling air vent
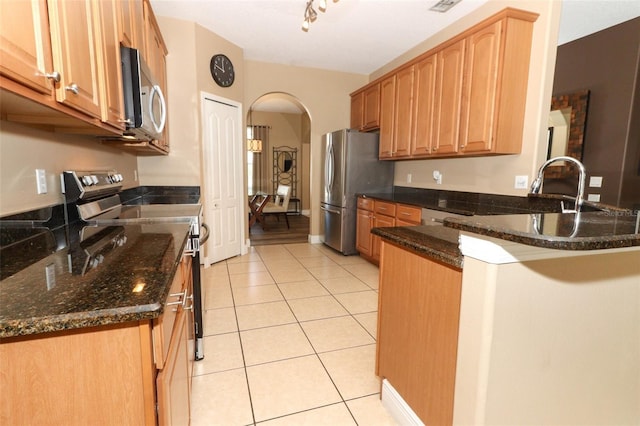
444	5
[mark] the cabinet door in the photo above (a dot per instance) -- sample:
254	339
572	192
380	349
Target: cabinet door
380	221
363	232
450	64
110	70
131	23
479	92
371	108
74	54
403	117
387	103
357	109
25	43
173	379
424	101
418	318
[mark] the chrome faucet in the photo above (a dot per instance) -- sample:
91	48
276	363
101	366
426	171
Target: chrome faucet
536	186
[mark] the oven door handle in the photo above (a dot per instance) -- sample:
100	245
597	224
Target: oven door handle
206	235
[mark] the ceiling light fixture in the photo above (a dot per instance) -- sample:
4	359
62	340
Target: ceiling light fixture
310	14
444	5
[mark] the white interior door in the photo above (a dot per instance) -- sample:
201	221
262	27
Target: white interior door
224	199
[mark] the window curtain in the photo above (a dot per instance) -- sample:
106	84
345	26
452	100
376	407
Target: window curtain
258	161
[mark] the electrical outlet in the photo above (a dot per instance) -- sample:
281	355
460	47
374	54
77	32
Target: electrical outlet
409	177
50	275
437	176
595	182
521	182
593	197
135	175
41	181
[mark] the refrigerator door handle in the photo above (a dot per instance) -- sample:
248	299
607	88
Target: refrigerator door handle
330	210
329	167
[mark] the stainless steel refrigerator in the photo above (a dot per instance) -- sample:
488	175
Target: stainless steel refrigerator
350	167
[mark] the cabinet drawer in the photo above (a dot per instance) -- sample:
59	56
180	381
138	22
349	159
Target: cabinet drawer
365	203
163	325
385	208
408	213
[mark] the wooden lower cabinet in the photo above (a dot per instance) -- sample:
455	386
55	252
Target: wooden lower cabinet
380	221
418	319
377	214
173	380
364	238
107	375
100	375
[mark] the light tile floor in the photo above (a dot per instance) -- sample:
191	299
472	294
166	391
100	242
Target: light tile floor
289	340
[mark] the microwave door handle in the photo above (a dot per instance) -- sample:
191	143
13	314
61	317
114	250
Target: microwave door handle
163	111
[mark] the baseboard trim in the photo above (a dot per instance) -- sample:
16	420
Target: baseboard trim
316	239
397	407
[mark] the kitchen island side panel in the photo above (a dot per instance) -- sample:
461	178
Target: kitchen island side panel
553	341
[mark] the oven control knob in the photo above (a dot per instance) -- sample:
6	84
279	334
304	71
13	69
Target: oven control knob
119	177
86	180
94	178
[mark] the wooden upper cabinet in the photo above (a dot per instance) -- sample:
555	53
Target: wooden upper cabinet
131	23
496	78
403	116
357	109
371	106
75	57
110	70
25	44
423	106
387	109
479	94
467	95
365	108
449	77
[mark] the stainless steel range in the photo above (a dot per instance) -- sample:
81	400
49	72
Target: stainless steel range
93	197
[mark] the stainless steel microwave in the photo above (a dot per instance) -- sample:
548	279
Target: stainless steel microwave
144	105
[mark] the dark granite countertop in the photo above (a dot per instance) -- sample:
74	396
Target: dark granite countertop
562	231
57	286
474	203
533	220
435	241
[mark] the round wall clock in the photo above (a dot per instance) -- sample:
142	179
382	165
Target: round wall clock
222	70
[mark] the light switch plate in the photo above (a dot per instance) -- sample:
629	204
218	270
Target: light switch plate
594	197
41	181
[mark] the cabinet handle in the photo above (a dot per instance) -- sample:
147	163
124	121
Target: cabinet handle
406	214
73	88
188	308
182	296
435	149
126	121
55	76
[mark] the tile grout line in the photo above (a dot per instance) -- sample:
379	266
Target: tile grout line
299	323
244	361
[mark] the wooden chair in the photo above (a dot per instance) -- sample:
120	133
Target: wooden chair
280	205
257	204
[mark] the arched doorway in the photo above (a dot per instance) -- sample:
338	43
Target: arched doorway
278	142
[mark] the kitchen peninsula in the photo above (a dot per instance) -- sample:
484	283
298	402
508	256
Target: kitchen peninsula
513	319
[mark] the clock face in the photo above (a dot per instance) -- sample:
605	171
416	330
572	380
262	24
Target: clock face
222	70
